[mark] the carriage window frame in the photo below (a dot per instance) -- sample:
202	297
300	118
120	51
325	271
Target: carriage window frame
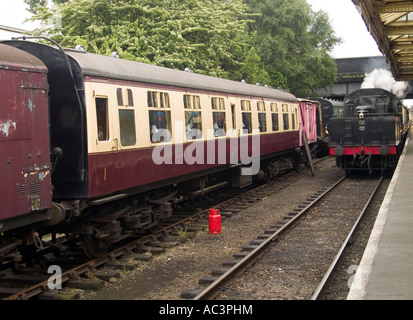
294	118
127	127
192	101
246	122
157	99
245	105
160	125
130	98
102	118
220	123
286	121
274	121
261	106
119	96
217	103
160	118
193	124
262	121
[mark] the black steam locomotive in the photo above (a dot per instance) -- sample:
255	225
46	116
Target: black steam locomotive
371	132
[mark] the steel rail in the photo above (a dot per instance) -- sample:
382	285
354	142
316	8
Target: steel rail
321	287
211	291
75	272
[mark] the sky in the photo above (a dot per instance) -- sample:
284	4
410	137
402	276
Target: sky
348	25
344	18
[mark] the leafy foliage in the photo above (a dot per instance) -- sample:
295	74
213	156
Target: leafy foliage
294	41
281	43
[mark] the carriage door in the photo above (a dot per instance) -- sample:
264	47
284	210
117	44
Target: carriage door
101	159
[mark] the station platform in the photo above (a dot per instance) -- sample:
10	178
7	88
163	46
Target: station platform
386	268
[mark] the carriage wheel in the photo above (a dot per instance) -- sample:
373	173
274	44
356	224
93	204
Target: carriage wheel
94	247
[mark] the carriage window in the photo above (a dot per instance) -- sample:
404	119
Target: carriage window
102	118
285	121
219	123
274	107
261	106
127	127
274	118
217	103
164	98
293	119
119	96
160	128
262	121
193	124
160	125
152	99
158	100
246	122
130	98
245	105
192	102
221	104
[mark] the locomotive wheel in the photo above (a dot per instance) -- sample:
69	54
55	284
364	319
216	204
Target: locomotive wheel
94	247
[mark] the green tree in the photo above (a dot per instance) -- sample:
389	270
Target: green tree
252	70
34	5
207	36
282	43
295	42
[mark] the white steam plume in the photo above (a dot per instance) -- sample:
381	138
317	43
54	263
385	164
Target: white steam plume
383	79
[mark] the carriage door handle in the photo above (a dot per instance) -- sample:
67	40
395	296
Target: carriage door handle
116	146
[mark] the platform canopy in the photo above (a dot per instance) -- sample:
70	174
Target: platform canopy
390	22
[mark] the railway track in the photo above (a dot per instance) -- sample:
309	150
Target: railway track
220	284
186	219
328	276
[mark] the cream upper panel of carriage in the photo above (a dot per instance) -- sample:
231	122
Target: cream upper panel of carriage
122	115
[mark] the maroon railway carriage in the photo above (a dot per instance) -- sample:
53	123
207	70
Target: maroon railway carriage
25	189
106	115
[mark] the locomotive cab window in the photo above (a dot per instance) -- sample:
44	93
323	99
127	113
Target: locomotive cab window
102	118
160	125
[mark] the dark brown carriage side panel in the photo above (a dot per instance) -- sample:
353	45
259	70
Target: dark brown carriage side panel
25	170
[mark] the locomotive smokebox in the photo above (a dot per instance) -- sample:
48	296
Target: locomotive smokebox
214	221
